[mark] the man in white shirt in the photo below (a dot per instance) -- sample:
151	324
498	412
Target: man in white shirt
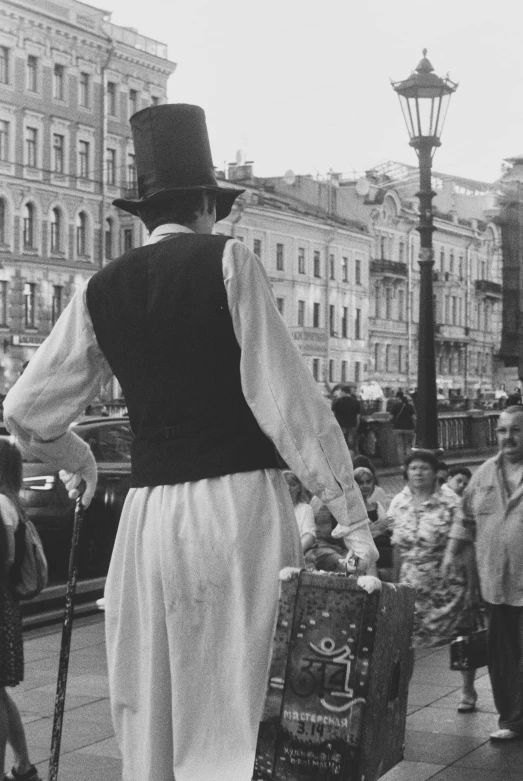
191	593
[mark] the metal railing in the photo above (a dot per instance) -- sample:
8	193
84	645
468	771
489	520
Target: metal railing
454	432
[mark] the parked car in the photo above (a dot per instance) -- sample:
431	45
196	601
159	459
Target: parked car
51	510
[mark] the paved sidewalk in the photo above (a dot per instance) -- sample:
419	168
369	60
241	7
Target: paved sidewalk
441	743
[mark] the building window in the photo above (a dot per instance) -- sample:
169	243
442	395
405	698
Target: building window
331	370
4	140
344	371
81	234
401	305
58	82
2	221
442	259
344	322
84	90
377	358
332	267
155	100
28	225
4	65
316	368
460	268
3	303
257	247
131	171
56	307
279	257
109	234
58	153
29	304
83	159
110	166
332	319
383	247
317	269
357	371
133	102
451	263
280	304
345	269
301	260
127	239
32	73
301	313
55	230
357	325
31	145
400	358
387	358
454	310
316	316
358	272
111	98
401	251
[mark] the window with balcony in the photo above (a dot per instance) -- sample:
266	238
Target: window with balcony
4	140
28	224
111	98
83	159
32	73
279	257
56	230
58	153
301	314
56	304
133	102
31	146
316	315
81	234
29	304
317	263
3	303
301	260
4	65
110	167
58	82
357	325
345	269
84	90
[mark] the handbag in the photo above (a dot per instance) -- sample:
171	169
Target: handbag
469	652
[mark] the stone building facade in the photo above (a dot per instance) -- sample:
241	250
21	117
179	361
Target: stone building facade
69	80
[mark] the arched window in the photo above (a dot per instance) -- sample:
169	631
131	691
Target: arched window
56	230
3	232
109	236
28	225
81	234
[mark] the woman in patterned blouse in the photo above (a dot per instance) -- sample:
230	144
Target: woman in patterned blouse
422	515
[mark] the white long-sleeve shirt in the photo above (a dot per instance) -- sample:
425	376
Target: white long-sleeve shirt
69	369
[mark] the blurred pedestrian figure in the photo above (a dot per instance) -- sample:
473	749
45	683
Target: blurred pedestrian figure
492	526
304	515
423	514
402	411
11	645
347	411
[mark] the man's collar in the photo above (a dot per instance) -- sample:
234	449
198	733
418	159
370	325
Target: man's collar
165	230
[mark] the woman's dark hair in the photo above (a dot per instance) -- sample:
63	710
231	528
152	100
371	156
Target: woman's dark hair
421	455
460	470
358	461
181	208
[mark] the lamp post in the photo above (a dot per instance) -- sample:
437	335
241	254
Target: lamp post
424	99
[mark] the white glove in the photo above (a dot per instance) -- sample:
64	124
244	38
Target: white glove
369	583
82	482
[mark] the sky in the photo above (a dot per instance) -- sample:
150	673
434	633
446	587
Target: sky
305	86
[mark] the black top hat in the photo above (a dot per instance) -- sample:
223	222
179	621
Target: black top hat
172	155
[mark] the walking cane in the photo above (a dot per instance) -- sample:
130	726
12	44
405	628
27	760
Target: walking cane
67	628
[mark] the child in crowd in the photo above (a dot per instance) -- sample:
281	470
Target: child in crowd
380	526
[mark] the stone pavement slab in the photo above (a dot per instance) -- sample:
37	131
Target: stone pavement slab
440	743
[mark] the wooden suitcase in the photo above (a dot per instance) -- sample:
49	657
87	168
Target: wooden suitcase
336	701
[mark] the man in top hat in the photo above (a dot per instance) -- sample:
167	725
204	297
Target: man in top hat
191	593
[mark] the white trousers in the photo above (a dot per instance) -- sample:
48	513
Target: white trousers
191	600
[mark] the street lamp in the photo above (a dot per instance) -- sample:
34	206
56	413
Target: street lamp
424	99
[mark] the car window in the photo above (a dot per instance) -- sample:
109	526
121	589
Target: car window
111	443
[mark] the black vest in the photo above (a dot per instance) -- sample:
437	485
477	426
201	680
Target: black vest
160	314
